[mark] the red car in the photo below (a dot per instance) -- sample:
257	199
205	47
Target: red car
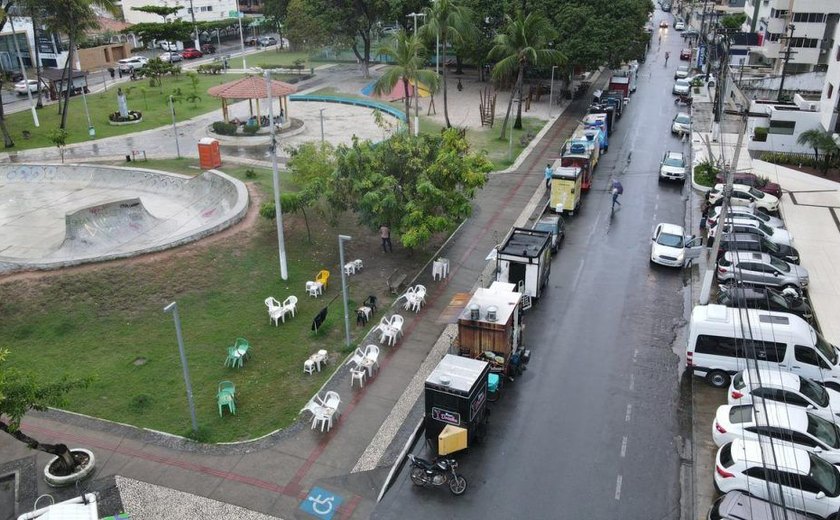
191	53
685	54
750	179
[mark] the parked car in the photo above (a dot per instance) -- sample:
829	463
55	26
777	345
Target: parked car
672	167
756	243
208	48
30	85
761	269
682	87
681	123
681	72
755	227
555	225
251	41
191	53
794	427
690	33
685	54
745	212
168	46
786	388
765	298
806	482
751	179
170	57
743	195
736	505
679	26
266	41
670	247
130	64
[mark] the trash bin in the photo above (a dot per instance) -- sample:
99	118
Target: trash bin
209	155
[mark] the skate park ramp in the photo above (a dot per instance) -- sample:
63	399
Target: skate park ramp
53	216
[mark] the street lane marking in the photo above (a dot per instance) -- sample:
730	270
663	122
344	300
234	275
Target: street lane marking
632	381
577	275
629	412
635	353
623	446
618	488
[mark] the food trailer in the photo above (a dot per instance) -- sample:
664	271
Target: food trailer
524	259
456	403
566	187
490	327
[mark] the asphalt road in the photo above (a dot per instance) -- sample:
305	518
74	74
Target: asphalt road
591	429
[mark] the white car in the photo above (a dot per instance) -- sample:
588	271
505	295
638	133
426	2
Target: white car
670	247
135	62
672	166
756	227
776	386
170	57
682	87
679	26
30	85
681	123
806	482
743	195
745	212
681	72
169	46
788	426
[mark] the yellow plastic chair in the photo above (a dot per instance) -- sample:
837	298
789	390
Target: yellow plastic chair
323	277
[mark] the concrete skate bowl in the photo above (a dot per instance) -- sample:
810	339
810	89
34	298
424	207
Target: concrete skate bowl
53	216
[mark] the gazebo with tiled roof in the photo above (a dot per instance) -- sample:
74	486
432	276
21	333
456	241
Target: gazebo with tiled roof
253	87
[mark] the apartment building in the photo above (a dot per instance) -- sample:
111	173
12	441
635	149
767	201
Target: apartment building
205	10
830	98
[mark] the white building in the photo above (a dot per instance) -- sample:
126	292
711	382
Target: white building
813	22
51	52
784	122
830	98
205	10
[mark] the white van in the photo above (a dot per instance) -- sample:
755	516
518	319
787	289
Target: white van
721	339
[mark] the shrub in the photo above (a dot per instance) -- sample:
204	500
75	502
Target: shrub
760	134
250	174
222	128
268	211
133	115
209	68
704	173
250	129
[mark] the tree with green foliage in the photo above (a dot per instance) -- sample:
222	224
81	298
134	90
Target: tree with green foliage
523	44
452	22
21	392
733	21
820	141
407	55
178	30
155	69
161	10
311	166
58	137
417	186
305	24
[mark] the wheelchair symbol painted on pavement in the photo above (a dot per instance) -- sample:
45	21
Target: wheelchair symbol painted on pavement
321	503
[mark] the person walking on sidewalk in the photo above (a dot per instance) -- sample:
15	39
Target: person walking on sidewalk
548	172
385	235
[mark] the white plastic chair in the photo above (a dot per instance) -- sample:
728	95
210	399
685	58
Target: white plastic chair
357	374
332	400
372	355
309	366
420	292
389	336
409	298
275	310
358	264
358	357
349	268
289	306
313	289
324	418
397	323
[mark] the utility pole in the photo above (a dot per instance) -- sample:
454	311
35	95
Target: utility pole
195	27
416	100
789	39
281	241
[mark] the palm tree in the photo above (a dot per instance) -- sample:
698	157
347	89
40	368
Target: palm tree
452	22
819	139
407	55
523	43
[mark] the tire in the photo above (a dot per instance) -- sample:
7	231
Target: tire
417	476
458	485
718	379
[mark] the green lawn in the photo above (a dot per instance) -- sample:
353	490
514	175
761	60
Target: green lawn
109	322
272	58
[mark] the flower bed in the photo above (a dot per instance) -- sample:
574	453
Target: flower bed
134	117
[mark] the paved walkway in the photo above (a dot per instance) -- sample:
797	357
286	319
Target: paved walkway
273	475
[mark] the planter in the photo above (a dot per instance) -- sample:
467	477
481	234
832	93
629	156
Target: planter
87	462
124	123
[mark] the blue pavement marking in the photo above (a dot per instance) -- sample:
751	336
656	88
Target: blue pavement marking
321	503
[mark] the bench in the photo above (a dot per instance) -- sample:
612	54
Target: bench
396	282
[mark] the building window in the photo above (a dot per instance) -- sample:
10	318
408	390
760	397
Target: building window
810	17
778	13
830	90
806	43
781	127
773	37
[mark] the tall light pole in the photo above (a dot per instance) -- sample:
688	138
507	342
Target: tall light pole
322	126
173	308
26	81
241	35
174	126
197	42
341	240
416	100
91	129
281	243
551	92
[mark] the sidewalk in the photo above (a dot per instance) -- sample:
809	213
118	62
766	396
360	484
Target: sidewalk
274	474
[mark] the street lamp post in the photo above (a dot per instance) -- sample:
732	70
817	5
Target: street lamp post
510	137
174	126
26	81
322	126
197	42
551	92
281	243
416	100
341	240
91	129
241	35
173	308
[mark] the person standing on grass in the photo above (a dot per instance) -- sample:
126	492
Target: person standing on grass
385	235
548	172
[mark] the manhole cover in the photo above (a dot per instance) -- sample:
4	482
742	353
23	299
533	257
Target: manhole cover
140	361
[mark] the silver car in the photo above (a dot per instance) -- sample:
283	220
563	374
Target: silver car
760	269
746	212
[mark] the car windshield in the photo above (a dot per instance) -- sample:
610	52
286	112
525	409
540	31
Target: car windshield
683	83
761	216
675	162
682	69
825	475
781	265
669	240
682	118
757	194
545	226
769	246
826	349
764	227
824	431
813	391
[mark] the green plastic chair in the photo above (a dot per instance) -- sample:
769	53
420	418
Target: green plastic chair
243	347
226	399
227	387
233	358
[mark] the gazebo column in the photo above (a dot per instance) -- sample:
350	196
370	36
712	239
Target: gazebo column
225	115
250	107
259	113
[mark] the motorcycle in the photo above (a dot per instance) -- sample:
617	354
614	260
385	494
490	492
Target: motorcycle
437	473
684	101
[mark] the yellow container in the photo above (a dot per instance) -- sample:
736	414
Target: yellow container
452	439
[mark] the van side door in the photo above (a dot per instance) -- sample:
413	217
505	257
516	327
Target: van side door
809	364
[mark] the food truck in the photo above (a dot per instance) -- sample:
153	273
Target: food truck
583	153
565	189
524	259
599	121
456	403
